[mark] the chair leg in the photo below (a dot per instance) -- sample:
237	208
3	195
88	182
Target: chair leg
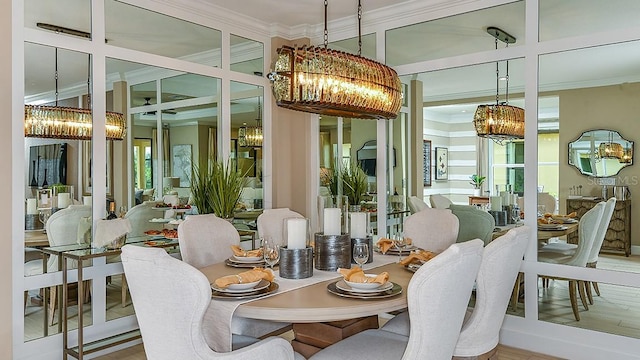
572	297
595	287
516	292
125	287
53	297
583	296
587	287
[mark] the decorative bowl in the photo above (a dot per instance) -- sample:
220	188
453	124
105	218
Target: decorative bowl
366	285
243	286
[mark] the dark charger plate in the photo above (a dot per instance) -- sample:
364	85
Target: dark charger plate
395	290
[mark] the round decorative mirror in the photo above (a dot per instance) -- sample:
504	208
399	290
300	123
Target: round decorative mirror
600	153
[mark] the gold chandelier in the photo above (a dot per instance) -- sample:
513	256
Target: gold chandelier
627	157
251	136
58	122
319	80
500	121
611	149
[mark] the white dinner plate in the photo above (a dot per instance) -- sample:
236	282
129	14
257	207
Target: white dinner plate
247	259
343	286
262	284
549	226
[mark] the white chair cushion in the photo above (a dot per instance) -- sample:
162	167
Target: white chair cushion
367	345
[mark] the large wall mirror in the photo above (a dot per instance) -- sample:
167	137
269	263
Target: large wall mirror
600	153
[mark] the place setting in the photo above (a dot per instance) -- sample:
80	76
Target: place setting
399	246
355	283
416	259
245	258
245	285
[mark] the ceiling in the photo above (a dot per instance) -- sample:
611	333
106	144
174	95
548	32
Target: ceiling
139	29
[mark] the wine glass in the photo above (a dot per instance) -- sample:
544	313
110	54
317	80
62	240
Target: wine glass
399	242
361	253
515	216
43	216
270	251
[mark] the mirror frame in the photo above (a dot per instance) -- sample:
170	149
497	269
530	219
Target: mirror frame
627	145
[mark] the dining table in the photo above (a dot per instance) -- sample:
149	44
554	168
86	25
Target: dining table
303	300
543	234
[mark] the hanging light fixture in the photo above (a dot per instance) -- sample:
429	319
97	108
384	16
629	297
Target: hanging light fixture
500	121
251	136
319	80
67	122
627	157
610	149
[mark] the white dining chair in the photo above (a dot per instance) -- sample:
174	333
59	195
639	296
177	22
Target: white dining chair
432	229
416	204
498	271
271	223
567	249
207	239
587	228
139	217
437	298
439	201
170	298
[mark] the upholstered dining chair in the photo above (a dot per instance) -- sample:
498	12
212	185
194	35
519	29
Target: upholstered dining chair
587	231
439	201
437	307
432	229
139	217
544	198
475	223
207	239
416	204
499	268
271	223
567	249
62	229
170	298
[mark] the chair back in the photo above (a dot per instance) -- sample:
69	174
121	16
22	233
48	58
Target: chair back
206	239
62	229
416	204
271	223
432	229
439	202
549	202
444	283
474	223
170	298
498	271
601	231
139	217
587	230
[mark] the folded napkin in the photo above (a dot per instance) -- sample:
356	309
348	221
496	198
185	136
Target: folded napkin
109	230
240	252
245	277
385	244
356	274
418	256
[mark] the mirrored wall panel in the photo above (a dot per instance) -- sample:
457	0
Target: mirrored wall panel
247	56
66	17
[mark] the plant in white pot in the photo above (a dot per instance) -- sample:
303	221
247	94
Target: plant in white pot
216	189
477	182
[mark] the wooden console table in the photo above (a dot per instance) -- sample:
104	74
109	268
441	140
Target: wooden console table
618	236
478	200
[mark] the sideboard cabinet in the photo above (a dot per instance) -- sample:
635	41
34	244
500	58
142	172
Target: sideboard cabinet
618	236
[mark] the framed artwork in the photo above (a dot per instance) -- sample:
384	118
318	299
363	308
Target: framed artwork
426	162
442	164
182	164
87	167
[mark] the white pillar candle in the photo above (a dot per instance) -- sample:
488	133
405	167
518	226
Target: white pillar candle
86	200
496	203
44	199
358	224
32	207
296	233
331	221
64	200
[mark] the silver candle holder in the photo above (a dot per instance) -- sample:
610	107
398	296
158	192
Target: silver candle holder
332	251
296	263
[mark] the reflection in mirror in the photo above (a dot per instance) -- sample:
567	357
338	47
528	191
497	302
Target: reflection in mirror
350	45
139	29
247	55
600	153
69	14
398	133
55	217
246	148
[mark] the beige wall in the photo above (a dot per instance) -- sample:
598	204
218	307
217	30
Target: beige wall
6	158
291	134
608	107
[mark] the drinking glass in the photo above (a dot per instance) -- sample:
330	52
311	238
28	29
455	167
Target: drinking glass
515	216
541	210
360	253
399	242
270	251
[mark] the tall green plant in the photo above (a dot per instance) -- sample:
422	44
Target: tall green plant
217	189
354	182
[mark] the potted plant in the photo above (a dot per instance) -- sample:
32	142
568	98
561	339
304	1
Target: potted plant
477	182
354	184
216	189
